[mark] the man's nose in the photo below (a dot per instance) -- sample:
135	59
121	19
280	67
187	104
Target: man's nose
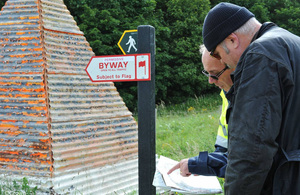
211	80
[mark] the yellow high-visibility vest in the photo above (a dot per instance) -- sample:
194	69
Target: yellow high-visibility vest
222	137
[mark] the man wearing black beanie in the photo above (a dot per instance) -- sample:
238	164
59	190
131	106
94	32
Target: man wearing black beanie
264	134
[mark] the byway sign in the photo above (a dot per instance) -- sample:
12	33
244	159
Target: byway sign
118	68
128	42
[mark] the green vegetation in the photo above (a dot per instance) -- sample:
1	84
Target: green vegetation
184	135
20	187
183	130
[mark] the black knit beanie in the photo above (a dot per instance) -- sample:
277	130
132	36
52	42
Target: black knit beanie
221	21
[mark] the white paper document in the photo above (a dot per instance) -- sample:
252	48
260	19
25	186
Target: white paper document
185	185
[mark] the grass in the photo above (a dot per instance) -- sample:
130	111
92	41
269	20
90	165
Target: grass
183	130
18	187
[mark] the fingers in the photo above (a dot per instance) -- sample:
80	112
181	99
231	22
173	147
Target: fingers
183	166
177	166
185	174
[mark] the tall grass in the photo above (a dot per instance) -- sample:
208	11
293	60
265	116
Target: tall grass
183	130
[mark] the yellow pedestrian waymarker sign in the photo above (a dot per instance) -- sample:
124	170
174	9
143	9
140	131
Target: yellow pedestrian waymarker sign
128	42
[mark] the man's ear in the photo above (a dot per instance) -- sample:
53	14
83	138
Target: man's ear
233	41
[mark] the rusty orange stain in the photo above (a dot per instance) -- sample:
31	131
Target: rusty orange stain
28	17
8	160
10	152
38	49
24	90
33	17
43	134
11	23
7	126
41	122
7	121
34	83
9	73
46	162
29	23
45	140
20	33
32	114
17	56
28	38
11	133
39	147
34	102
39	108
39	155
5	83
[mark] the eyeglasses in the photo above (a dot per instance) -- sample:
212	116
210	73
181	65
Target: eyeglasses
216	77
212	54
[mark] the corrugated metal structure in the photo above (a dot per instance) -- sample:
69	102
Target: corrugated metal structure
62	132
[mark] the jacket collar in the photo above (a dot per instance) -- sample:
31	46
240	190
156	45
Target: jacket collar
264	27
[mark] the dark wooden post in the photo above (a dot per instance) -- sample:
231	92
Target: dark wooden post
146	115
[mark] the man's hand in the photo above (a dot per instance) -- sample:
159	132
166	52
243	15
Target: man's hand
183	166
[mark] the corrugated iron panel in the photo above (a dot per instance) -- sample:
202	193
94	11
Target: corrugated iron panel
122	180
58	128
24	138
56	17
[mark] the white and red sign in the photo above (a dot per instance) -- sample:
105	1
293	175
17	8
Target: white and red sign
118	68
